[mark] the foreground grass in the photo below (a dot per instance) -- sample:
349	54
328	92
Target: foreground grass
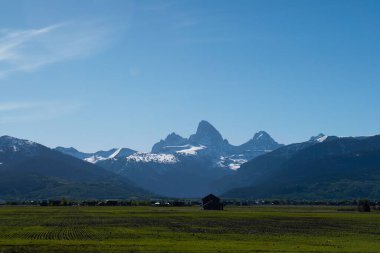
154	229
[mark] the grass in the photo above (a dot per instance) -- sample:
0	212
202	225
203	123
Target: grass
188	229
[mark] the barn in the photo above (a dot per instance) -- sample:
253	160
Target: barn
212	202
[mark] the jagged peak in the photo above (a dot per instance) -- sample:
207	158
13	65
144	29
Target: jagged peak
206	135
318	138
172	139
260	141
173	136
260	135
205	124
205	127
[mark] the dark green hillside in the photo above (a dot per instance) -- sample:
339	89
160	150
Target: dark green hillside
338	168
189	177
29	170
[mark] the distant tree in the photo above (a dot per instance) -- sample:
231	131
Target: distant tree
364	206
63	202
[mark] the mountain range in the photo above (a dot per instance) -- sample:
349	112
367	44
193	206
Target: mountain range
32	171
178	166
323	167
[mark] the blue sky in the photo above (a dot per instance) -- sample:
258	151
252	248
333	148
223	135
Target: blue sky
101	74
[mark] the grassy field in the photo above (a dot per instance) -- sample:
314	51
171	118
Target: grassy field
165	229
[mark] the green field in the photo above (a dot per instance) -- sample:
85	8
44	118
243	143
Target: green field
188	229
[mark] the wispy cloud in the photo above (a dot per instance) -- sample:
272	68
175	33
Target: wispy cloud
24	112
31	49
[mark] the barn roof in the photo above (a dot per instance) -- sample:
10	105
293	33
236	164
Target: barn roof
210	196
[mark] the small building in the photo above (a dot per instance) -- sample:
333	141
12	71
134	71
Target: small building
211	202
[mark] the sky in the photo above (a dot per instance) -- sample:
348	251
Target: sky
98	74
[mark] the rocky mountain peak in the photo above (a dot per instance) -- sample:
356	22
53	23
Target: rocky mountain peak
172	140
12	144
261	141
261	135
206	135
318	138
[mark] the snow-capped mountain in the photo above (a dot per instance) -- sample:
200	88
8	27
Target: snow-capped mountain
208	137
151	158
14	145
178	166
260	141
97	156
31	170
318	138
208	142
11	148
324	167
172	143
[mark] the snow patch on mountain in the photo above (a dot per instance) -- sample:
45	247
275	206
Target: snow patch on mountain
232	162
260	135
115	154
322	138
95	159
206	144
150	157
11	144
191	150
319	138
15	144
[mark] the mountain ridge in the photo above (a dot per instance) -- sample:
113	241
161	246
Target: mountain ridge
31	170
323	167
312	170
205	142
202	158
208	137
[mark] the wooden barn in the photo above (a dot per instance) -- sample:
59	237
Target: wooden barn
212	202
